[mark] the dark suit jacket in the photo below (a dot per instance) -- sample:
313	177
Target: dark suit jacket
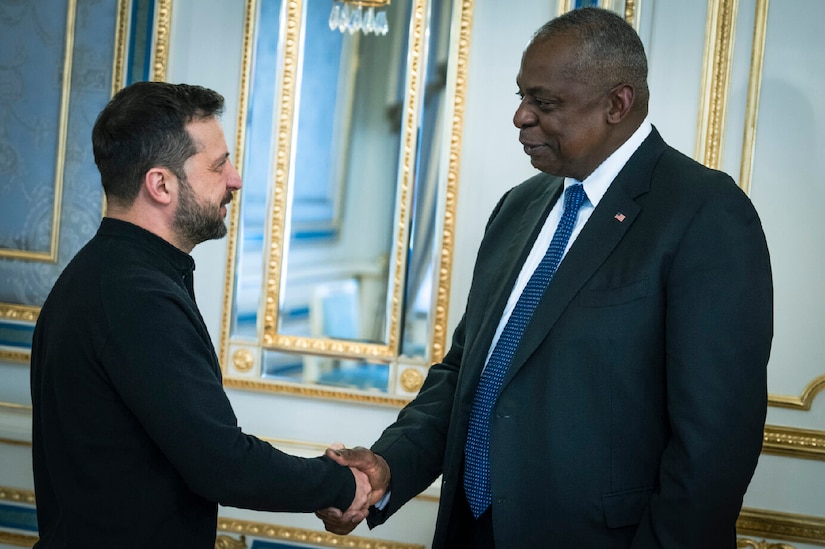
632	414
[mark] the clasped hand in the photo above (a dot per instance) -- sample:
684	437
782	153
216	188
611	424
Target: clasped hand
372	478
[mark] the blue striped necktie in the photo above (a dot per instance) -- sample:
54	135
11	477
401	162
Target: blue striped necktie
477	448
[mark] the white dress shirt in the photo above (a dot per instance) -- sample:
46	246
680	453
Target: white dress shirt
595	185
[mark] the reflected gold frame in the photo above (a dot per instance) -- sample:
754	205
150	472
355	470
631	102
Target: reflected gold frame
278	230
269	337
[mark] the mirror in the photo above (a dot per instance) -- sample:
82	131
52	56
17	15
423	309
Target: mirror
341	238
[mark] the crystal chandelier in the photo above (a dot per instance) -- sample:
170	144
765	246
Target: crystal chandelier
359	15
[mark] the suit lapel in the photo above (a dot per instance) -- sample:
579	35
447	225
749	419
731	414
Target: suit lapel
606	227
498	292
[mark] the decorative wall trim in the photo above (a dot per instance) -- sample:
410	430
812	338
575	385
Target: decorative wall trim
794	442
15	356
783	526
18	540
121	37
763	544
751	522
16	495
628	9
301	535
314	391
163	25
715	88
251	8
760	28
802	402
445	259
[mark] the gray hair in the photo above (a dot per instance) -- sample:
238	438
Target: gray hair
610	50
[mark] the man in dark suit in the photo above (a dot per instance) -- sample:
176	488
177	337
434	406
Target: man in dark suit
630	411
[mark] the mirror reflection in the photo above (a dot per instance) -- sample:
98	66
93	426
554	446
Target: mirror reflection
338	224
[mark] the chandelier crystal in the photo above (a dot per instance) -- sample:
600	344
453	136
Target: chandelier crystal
366	16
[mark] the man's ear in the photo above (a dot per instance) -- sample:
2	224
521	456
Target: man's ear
621	102
160	185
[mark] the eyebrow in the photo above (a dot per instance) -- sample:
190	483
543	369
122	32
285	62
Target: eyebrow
223	158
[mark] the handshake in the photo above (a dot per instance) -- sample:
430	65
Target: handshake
372	479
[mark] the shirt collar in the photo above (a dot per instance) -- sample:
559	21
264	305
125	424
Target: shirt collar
597	183
178	259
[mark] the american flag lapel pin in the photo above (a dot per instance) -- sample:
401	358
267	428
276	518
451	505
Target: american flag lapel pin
619	217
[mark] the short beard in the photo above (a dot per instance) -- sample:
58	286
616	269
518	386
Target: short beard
194	222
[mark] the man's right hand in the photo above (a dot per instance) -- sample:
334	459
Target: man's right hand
366	461
362	462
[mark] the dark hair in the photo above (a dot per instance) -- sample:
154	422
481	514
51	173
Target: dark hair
611	51
144	126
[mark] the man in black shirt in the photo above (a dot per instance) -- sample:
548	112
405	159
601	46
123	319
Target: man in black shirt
134	440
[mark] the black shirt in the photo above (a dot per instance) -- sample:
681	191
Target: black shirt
134	439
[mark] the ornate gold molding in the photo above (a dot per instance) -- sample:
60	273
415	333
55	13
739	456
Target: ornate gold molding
445	260
235	217
754	87
629	9
18	540
16	495
161	28
285	104
301	535
715	81
121	38
227	542
794	442
285	109
802	402
163	25
23	313
314	391
783	526
20	313
747	543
